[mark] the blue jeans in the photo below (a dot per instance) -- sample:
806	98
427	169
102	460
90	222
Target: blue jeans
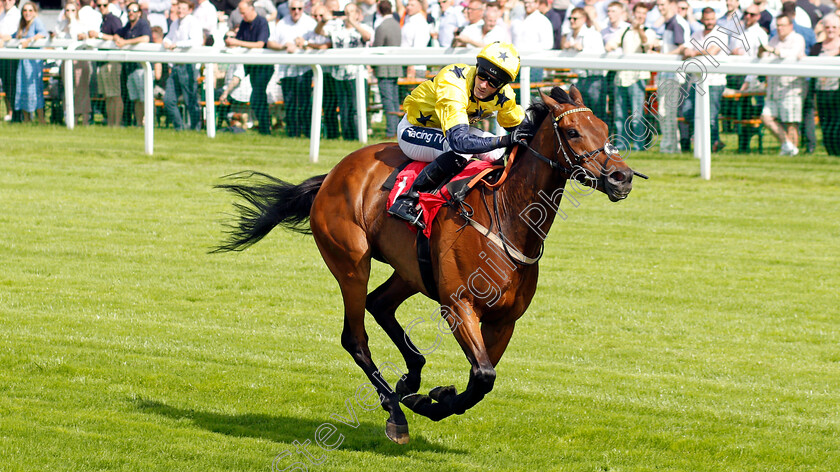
260	75
630	99
182	81
390	92
594	93
715	94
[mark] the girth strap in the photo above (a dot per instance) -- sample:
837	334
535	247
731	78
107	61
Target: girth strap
424	258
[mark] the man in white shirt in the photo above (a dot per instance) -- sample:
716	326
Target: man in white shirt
208	18
783	101
295	81
184	32
158	12
616	14
533	33
416	33
629	90
451	19
9	21
710	42
490	30
669	93
591	83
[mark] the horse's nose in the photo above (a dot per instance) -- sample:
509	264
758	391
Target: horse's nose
621	178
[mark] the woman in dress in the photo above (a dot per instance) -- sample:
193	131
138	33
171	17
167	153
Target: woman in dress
828	89
29	96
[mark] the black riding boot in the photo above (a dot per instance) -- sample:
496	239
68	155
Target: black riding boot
445	166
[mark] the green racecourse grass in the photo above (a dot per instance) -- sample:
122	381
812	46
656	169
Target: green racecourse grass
693	327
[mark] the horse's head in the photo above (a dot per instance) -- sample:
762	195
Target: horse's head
580	144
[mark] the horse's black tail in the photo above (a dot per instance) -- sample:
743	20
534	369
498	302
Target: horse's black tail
268	202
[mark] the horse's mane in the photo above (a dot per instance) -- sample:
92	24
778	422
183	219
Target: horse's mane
539	110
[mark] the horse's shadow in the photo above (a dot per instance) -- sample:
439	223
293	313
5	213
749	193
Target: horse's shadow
366	436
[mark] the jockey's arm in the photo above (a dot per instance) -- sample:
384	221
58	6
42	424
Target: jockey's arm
463	142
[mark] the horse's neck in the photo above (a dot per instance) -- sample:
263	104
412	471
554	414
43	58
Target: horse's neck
530	198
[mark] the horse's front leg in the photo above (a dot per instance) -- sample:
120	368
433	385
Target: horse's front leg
467	331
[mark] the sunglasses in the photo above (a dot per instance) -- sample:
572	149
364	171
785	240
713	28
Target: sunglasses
575	18
133	10
491	81
751	14
100	5
296	8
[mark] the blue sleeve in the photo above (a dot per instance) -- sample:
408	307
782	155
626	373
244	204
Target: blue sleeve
38	27
262	32
145	28
463	142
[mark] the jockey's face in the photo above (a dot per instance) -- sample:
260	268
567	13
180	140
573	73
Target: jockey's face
482	89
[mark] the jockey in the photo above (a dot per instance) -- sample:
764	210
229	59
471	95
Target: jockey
438	113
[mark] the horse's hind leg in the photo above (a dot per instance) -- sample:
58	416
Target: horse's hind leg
349	261
382	304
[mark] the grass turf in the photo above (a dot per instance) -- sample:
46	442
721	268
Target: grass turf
692	327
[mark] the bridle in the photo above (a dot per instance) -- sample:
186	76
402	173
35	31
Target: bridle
609	149
572	168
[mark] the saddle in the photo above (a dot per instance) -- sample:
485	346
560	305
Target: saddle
448	193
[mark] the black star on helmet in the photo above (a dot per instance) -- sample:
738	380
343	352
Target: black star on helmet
424	119
459	72
503	56
501	98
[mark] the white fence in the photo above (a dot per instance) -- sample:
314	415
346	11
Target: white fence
98	50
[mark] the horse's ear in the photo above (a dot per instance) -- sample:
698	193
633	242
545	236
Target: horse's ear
548	100
575	95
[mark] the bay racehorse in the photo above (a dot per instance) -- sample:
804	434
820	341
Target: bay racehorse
345	211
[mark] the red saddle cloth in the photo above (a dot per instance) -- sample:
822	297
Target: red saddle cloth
430	202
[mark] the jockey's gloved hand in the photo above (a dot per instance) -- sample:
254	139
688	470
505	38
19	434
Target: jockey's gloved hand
520	134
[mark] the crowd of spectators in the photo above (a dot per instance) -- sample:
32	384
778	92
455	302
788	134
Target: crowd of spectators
676	27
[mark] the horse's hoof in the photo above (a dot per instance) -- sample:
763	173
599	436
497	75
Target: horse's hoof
403	389
440	393
397	432
415	400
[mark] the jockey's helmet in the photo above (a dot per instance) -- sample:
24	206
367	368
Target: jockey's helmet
499	62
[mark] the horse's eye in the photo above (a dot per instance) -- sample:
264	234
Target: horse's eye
572	133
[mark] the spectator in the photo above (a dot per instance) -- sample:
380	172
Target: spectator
556	19
323	16
616	24
115	7
674	36
161	70
72	27
29	93
208	18
801	25
108	73
490	30
89	16
351	34
266	9
629	89
684	10
296	81
783	101
253	34
185	32
766	17
9	20
236	91
158	13
828	89
474	12
137	31
585	39
754	37
451	20
388	34
416	33
714	41
733	15
533	33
